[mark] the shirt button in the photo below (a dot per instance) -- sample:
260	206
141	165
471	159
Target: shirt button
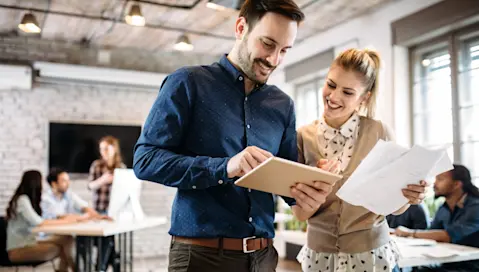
220	181
249	190
246	99
248	126
240	78
194	187
250	219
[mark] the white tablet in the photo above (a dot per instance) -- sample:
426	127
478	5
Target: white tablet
277	175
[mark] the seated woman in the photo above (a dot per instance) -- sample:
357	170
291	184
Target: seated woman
23	214
416	217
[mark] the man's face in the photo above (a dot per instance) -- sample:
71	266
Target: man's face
263	48
62	184
444	185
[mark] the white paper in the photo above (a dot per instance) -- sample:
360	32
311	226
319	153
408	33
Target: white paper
378	181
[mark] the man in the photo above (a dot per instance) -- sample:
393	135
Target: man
58	201
213	124
457	221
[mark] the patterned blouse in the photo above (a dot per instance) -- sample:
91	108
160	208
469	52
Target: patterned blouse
338	144
101	196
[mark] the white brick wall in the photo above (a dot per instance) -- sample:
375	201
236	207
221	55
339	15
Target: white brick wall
24	118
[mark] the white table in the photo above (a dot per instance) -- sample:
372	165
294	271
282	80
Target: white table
86	232
411	256
418	255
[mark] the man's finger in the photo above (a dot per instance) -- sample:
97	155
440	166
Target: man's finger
264	152
245	166
258	155
251	161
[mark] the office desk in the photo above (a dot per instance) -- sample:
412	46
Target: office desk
411	255
438	253
88	231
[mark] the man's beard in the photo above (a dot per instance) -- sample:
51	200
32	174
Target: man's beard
247	65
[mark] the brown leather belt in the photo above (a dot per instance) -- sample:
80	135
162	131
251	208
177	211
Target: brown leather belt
247	245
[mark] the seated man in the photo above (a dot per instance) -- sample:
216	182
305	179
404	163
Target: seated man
58	201
457	221
416	217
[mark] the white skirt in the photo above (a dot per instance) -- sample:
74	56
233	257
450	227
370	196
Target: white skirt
382	259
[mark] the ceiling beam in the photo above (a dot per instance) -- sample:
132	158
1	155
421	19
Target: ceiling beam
167	5
110	19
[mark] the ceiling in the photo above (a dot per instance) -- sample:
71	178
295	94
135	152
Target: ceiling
210	31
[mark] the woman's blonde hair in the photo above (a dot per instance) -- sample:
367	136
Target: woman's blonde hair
117	159
366	63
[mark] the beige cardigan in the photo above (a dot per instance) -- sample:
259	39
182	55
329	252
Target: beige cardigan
339	226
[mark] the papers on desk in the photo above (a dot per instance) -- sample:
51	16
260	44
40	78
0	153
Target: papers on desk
377	182
414	247
413	241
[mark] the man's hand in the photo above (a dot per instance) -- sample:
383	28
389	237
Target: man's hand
310	198
415	193
246	160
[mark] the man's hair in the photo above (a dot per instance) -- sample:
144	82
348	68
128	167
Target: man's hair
254	10
462	174
53	174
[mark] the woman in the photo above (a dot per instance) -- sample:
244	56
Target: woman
23	214
343	237
101	179
101	172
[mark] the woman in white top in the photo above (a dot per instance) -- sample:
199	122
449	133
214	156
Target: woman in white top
23	214
343	237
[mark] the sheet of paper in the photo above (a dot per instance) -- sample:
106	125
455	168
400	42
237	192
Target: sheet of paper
378	181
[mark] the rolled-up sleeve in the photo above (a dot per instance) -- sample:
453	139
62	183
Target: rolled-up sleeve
466	225
25	209
78	203
157	154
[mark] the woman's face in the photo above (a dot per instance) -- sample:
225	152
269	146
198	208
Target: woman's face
107	151
343	93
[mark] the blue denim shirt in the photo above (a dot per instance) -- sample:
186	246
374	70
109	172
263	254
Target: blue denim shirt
200	119
462	224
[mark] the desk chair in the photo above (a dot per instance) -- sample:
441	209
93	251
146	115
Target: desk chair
4	261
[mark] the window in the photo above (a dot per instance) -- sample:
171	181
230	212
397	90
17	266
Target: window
469	105
445	94
309	101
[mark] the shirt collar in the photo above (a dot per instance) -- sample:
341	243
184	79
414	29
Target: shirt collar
346	130
236	74
50	194
462	201
230	68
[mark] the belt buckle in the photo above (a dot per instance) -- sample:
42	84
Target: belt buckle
245	244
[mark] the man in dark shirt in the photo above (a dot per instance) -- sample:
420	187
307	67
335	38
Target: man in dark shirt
212	124
415	217
457	221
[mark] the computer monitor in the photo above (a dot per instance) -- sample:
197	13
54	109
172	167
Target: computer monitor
125	196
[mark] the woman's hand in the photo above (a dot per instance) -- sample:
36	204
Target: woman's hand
333	166
415	193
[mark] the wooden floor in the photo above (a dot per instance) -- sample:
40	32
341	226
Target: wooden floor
158	265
